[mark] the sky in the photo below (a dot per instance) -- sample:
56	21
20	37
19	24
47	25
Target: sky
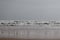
29	9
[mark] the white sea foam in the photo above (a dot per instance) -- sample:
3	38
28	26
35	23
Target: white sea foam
28	22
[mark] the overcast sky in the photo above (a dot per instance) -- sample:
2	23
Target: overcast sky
30	9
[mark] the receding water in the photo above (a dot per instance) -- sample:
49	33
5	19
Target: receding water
42	30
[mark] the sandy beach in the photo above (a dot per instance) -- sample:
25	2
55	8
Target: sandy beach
29	32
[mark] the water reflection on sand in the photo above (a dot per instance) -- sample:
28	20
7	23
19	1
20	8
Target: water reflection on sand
30	29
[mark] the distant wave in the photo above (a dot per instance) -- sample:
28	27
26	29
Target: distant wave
27	22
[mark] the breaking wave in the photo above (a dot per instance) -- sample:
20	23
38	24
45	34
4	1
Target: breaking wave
28	22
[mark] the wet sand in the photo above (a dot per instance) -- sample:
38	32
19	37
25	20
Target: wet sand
30	32
25	39
19	39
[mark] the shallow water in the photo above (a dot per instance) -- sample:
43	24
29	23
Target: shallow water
30	32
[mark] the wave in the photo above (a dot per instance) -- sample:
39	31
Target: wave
27	22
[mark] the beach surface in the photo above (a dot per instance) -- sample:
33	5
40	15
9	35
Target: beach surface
30	32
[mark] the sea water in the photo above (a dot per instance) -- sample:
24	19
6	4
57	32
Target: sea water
34	31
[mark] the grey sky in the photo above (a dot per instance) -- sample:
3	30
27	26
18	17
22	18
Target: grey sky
30	9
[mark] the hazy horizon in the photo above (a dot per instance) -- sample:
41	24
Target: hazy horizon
29	9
